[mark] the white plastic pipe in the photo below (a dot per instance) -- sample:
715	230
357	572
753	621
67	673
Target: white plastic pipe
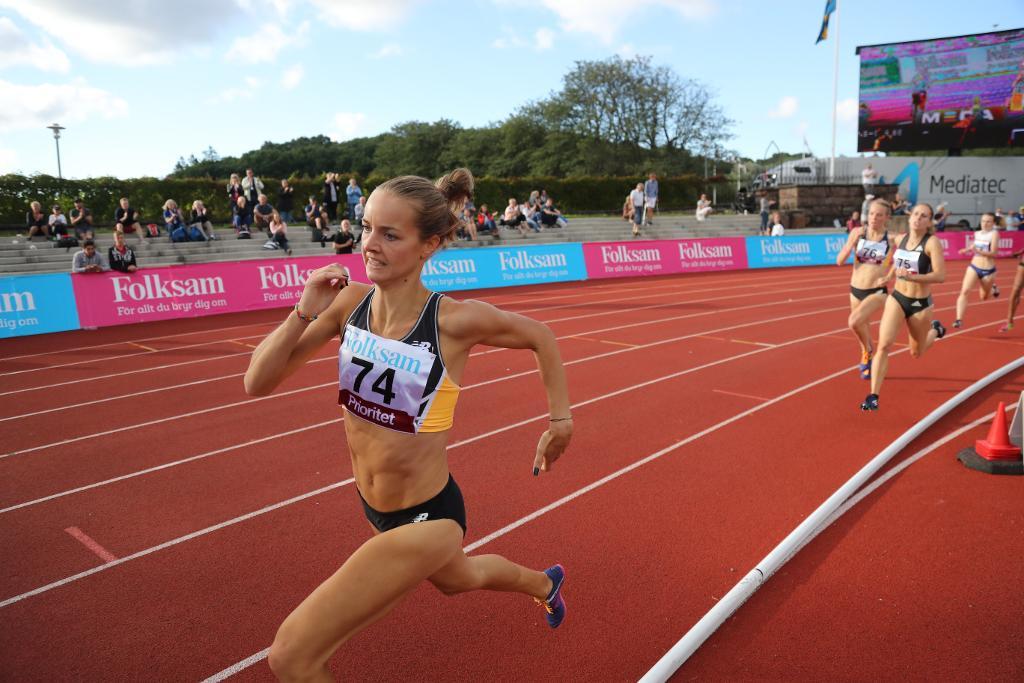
773	561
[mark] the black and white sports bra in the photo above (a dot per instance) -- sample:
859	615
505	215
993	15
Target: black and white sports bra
914	260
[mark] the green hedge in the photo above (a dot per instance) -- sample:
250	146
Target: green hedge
572	195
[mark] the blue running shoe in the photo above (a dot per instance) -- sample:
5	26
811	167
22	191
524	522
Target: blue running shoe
554	604
870	403
940	331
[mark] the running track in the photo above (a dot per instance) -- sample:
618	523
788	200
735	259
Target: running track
158	524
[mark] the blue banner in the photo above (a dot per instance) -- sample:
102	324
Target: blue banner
455	269
806	250
34	304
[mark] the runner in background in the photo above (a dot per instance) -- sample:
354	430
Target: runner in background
917	264
982	269
872	247
1018	284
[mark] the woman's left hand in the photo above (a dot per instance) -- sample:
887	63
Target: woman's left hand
552	444
904	274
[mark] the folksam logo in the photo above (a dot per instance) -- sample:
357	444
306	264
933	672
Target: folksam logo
36	304
809	250
699	250
623	254
449	266
524	260
154	287
272	277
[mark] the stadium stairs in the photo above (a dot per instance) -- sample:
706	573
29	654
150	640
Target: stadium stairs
18	256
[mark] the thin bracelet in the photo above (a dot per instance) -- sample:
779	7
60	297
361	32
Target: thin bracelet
305	318
560	419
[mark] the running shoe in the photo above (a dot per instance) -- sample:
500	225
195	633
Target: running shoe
870	403
554	604
956	323
1006	328
940	331
995	291
865	365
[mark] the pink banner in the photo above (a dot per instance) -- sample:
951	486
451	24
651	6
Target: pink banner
203	289
662	257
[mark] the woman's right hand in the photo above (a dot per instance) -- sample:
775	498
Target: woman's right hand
321	288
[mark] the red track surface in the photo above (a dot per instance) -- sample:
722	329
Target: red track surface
143	440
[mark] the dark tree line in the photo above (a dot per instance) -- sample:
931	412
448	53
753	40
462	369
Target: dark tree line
615	117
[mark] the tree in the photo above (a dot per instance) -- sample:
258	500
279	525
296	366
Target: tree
635	103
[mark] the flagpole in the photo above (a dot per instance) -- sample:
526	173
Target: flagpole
835	99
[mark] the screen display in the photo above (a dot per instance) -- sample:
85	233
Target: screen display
950	93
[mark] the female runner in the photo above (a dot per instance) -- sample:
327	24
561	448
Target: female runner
917	264
403	352
982	269
1018	285
872	247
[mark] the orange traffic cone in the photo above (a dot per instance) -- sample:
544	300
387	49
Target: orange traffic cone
997	446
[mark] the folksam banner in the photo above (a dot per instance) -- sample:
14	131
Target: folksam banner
34	304
203	289
785	251
455	269
662	257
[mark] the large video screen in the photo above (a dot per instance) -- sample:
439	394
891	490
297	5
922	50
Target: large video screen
949	93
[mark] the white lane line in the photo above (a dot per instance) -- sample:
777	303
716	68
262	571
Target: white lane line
504	378
130	341
472	355
454	445
722	391
126	372
262	654
173	542
122	356
514	525
204	360
166	465
329	487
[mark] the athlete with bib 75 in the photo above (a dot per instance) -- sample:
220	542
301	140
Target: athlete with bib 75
917	264
403	353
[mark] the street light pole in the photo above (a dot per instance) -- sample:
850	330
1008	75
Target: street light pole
57	128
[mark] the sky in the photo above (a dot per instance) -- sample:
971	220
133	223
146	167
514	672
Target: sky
139	83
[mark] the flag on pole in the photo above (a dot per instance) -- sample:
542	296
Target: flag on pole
830	7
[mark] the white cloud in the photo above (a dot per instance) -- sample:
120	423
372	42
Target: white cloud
626	51
605	18
8	160
34	106
15	49
846	110
265	44
786	107
291	78
246	92
544	39
364	15
127	34
389	50
347	125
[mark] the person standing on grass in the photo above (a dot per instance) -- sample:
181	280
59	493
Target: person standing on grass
917	264
1018	284
403	353
981	271
872	247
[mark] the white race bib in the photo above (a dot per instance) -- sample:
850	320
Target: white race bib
383	380
907	259
869	251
